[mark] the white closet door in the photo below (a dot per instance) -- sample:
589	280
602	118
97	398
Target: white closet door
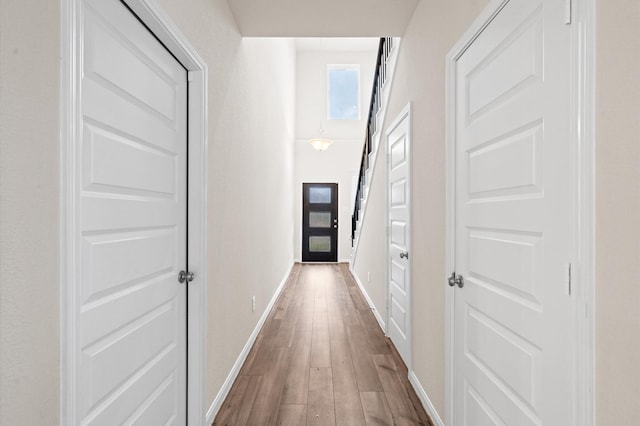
514	316
399	297
131	310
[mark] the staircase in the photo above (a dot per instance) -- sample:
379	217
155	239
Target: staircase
385	65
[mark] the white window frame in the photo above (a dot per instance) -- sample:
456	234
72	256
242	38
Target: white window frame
350	67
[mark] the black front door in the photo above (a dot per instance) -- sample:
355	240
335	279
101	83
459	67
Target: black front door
319	222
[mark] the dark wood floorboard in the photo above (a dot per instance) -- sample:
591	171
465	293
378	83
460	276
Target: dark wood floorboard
322	359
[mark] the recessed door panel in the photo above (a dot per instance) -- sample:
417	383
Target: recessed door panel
118	261
123	164
398	194
398	316
398	275
512	64
131	71
398	154
509	166
505	261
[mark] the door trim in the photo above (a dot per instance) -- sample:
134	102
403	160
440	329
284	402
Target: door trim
404	114
582	171
70	136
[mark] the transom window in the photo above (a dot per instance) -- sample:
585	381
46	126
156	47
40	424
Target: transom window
343	86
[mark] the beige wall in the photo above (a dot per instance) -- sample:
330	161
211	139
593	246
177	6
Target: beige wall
251	142
618	212
335	165
311	92
29	255
369	264
420	79
29	285
338	163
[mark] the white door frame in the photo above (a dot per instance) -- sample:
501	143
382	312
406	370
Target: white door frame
581	14
168	33
405	113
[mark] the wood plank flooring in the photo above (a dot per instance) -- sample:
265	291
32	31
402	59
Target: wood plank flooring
322	359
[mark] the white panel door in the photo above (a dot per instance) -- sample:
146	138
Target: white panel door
131	310
513	316
399	297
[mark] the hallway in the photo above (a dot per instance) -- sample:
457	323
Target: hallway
321	359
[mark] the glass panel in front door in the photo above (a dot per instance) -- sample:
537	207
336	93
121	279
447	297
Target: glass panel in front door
320	219
320	195
320	244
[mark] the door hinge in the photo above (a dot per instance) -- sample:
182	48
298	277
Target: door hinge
189	76
568	278
567	11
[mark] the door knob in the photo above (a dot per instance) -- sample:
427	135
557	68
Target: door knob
456	280
404	254
185	276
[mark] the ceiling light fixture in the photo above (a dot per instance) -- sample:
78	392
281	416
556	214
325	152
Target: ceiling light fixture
320	143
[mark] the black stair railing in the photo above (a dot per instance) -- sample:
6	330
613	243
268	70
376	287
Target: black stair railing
384	50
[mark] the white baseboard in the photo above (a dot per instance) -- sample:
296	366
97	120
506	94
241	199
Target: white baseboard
424	398
375	311
233	374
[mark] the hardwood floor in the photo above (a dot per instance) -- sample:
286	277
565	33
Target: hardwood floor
322	359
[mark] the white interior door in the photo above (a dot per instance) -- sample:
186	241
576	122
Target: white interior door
131	310
399	266
513	316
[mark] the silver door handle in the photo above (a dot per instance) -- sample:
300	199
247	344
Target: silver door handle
456	280
185	276
404	254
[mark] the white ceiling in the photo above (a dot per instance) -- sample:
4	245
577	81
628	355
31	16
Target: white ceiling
322	18
337	44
